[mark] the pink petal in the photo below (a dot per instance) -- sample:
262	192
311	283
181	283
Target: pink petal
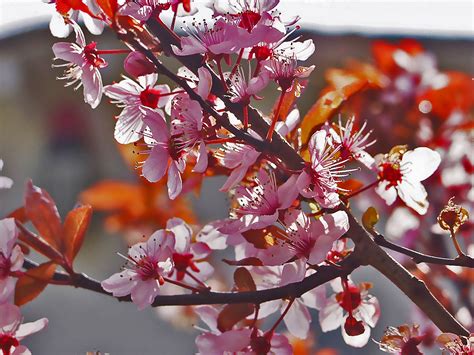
8	236
155	120
69	52
357	341
315	298
21	350
331	315
125	91
16	259
234	178
204	83
92	82
144	293
182	233
156	165
175	183
280	345
297	319
30	328
292	272
200	250
129	125
5	182
10	319
7	288
421	163
288	192
57	26
158	246
202	159
120	284
208	315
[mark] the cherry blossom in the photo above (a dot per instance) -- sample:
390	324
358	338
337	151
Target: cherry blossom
284	71
62	28
237	340
137	64
168	151
298	318
353	142
82	67
260	204
5	182
401	172
133	96
362	309
148	264
305	238
11	256
401	340
319	180
188	257
12	331
454	344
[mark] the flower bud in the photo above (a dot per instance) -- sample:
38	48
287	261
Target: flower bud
136	64
452	216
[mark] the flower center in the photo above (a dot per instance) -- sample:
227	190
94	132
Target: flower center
90	52
260	345
7	342
182	262
353	327
261	52
411	346
150	97
390	172
350	298
5	265
147	269
248	20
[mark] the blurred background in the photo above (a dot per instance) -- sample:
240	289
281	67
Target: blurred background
48	134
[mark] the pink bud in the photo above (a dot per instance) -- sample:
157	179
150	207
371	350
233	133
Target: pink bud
136	64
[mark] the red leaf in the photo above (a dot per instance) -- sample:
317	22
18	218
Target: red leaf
33	282
64	6
75	227
252	261
19	214
109	7
244	280
231	314
43	213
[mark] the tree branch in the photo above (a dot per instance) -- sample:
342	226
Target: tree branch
418	257
322	275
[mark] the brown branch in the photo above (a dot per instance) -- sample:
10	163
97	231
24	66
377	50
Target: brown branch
323	274
372	254
417	257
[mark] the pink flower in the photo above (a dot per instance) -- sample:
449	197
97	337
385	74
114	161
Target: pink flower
242	89
353	142
83	67
133	96
168	151
188	257
363	312
283	48
400	173
261	204
285	70
11	256
61	28
5	182
148	265
240	341
454	344
305	238
213	41
137	64
298	318
319	181
12	332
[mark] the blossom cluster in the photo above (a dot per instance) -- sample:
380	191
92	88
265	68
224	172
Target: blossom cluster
290	220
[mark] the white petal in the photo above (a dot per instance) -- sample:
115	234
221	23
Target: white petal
421	163
297	319
331	316
30	328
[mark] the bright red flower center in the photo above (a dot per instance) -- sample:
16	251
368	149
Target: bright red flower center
147	269
260	345
261	52
411	346
350	298
182	262
7	342
248	20
390	172
90	52
353	327
150	97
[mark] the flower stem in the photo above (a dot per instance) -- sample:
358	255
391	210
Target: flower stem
246	116
281	317
173	22
113	51
183	285
355	193
202	284
275	117
221	140
237	63
221	74
456	244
